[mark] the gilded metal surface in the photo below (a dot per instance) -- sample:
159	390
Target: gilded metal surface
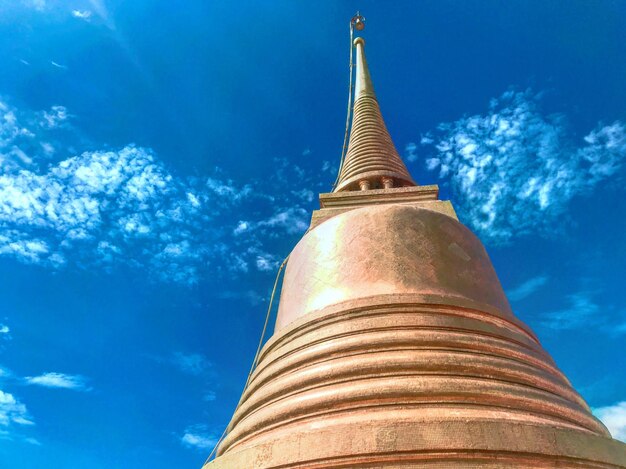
388	249
412	380
395	346
371	153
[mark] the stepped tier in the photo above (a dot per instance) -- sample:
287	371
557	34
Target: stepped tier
395	347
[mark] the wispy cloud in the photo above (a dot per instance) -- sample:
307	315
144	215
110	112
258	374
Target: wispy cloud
191	363
199	437
111	207
514	169
227	190
12	411
82	14
306	195
328	167
14	416
58	65
251	296
293	220
39	5
5	336
614	417
582	311
527	288
590	310
92	204
410	152
54	118
58	380
266	262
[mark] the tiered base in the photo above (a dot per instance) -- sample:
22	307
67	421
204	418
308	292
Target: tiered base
398	381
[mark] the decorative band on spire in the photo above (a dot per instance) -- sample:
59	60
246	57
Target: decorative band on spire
371	154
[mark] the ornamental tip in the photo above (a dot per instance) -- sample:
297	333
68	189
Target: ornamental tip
359	40
358	22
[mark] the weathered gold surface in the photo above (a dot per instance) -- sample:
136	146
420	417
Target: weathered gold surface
371	154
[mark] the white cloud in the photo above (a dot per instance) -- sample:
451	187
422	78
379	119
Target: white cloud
241	227
327	167
12	411
306	195
227	189
124	206
198	437
29	250
515	170
527	288
266	263
81	14
293	220
238	264
58	65
58	380
100	206
47	148
614	417
55	117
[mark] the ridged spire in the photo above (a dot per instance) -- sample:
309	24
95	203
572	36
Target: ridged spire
372	161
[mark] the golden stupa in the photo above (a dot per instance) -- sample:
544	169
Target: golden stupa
395	345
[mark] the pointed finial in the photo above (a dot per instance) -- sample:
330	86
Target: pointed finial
358	22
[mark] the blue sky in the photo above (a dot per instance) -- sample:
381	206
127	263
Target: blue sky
159	159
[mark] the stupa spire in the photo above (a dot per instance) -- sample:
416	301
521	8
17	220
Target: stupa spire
372	161
395	345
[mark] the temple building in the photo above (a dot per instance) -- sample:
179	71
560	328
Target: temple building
395	345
